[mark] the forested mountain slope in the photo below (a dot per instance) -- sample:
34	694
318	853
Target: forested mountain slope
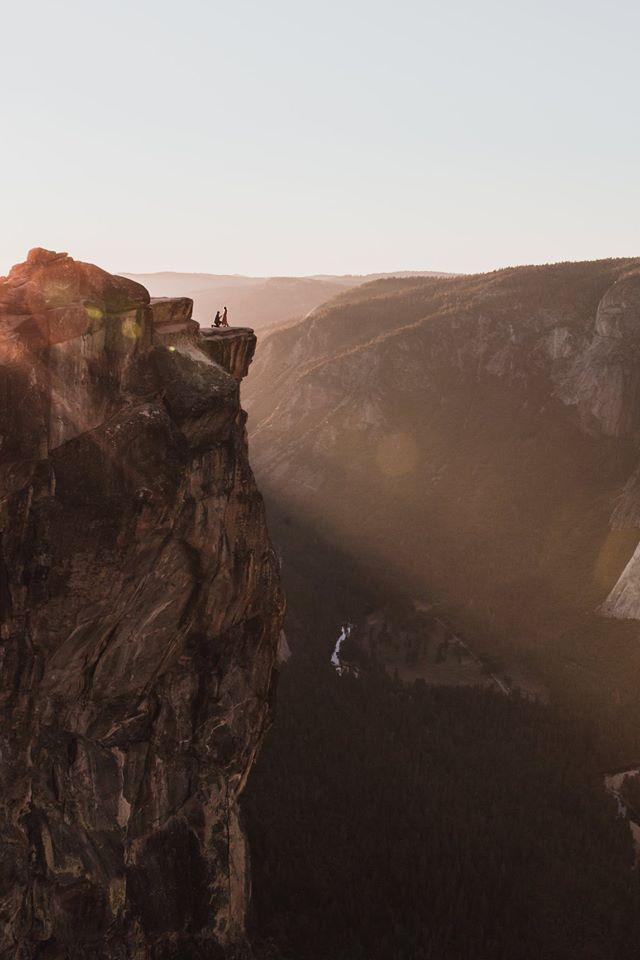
471	443
432	823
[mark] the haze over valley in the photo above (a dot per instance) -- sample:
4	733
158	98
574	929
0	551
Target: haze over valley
462	439
320	481
260	302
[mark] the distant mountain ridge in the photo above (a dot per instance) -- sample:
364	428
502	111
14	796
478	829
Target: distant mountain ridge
258	302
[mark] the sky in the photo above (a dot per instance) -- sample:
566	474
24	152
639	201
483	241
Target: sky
343	136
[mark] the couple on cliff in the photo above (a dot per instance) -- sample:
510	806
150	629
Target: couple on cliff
220	320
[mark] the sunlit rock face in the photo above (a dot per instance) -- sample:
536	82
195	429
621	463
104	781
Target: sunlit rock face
233	349
624	600
140	613
472	440
604	380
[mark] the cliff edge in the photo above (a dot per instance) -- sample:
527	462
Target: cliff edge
140	609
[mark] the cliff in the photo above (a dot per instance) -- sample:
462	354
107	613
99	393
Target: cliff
470	443
140	612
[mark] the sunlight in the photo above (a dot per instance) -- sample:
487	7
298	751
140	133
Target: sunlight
396	454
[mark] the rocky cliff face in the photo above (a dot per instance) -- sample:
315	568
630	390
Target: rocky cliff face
140	611
472	441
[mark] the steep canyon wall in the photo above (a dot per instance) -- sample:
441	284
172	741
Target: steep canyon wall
140	610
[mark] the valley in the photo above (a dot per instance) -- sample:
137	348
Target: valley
450	466
490	422
450	482
320	579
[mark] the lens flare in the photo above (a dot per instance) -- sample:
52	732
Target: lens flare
396	454
132	329
94	312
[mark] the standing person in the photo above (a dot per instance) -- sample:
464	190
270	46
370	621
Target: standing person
225	322
217	321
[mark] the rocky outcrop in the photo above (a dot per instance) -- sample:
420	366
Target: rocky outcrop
172	320
623	602
233	349
604	382
140	615
604	378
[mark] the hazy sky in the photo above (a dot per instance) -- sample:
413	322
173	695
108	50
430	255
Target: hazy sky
284	136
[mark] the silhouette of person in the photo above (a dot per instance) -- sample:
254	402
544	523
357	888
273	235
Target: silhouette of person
225	322
217	321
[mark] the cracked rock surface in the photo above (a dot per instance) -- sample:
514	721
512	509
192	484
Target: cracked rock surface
140	610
